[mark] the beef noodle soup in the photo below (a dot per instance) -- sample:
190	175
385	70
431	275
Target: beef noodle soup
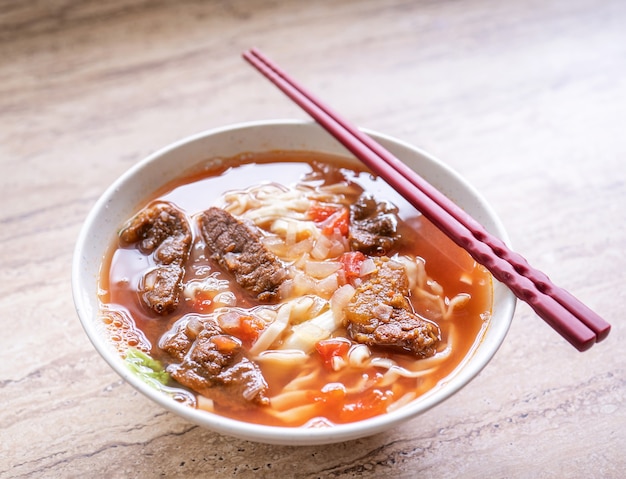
289	289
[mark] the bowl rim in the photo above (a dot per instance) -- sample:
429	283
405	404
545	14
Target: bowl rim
461	376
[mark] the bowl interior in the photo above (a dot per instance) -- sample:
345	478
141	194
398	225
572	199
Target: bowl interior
123	198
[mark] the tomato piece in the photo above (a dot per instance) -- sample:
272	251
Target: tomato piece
320	213
251	328
351	262
339	221
373	403
226	344
203	302
330	218
332	395
245	328
331	348
341	407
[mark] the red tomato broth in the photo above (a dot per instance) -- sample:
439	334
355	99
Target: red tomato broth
445	262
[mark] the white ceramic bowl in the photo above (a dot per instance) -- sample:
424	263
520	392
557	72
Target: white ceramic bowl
121	199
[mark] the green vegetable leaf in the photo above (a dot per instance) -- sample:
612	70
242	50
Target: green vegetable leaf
148	369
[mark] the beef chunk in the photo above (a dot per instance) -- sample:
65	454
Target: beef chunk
161	287
214	364
373	226
238	249
178	341
380	314
160	229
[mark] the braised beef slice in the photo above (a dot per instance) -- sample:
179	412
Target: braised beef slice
163	230
380	314
215	366
160	288
373	226
238	249
178	341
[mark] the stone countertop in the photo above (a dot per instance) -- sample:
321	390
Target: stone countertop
527	100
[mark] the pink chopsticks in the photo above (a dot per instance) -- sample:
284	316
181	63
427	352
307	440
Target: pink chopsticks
577	323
